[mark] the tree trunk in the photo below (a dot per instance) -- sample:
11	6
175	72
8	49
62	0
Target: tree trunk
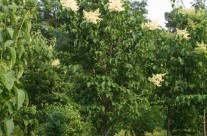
204	122
106	129
105	121
112	131
168	120
105	132
28	130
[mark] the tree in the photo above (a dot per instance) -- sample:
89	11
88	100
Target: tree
47	18
185	70
15	18
105	52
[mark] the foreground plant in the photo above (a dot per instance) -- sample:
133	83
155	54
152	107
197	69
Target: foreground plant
15	26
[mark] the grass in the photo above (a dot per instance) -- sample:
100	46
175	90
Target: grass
157	132
122	133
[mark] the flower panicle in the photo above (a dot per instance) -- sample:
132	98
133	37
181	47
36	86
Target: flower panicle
55	62
190	11
153	25
71	4
157	79
116	5
183	33
92	16
201	48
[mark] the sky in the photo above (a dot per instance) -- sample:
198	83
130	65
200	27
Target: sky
157	8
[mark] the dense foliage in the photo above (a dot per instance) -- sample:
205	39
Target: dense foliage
15	18
88	68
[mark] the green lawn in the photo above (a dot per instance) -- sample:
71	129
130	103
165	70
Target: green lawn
157	132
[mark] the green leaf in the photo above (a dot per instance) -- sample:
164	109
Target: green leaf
14	7
1	133
3	67
200	99
8	126
28	26
20	97
1	16
14	18
21	51
26	101
10	31
11	107
12	52
33	110
1	90
200	64
181	60
1	36
26	122
8	43
177	99
8	79
20	69
15	35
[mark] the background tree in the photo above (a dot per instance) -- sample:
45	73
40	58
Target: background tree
184	79
47	18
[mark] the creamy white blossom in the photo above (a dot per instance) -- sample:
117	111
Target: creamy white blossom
56	62
201	48
92	16
157	79
116	5
190	11
50	48
153	25
71	4
183	33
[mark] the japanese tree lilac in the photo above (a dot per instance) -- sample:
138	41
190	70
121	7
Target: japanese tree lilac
157	79
183	33
92	16
153	25
190	11
116	5
201	48
71	4
56	62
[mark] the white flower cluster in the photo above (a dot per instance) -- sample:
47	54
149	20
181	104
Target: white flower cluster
157	79
71	4
92	17
190	11
201	48
153	25
55	62
183	33
116	5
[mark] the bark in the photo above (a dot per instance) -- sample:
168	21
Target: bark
112	132
106	128
28	130
105	132
168	120
106	117
204	122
